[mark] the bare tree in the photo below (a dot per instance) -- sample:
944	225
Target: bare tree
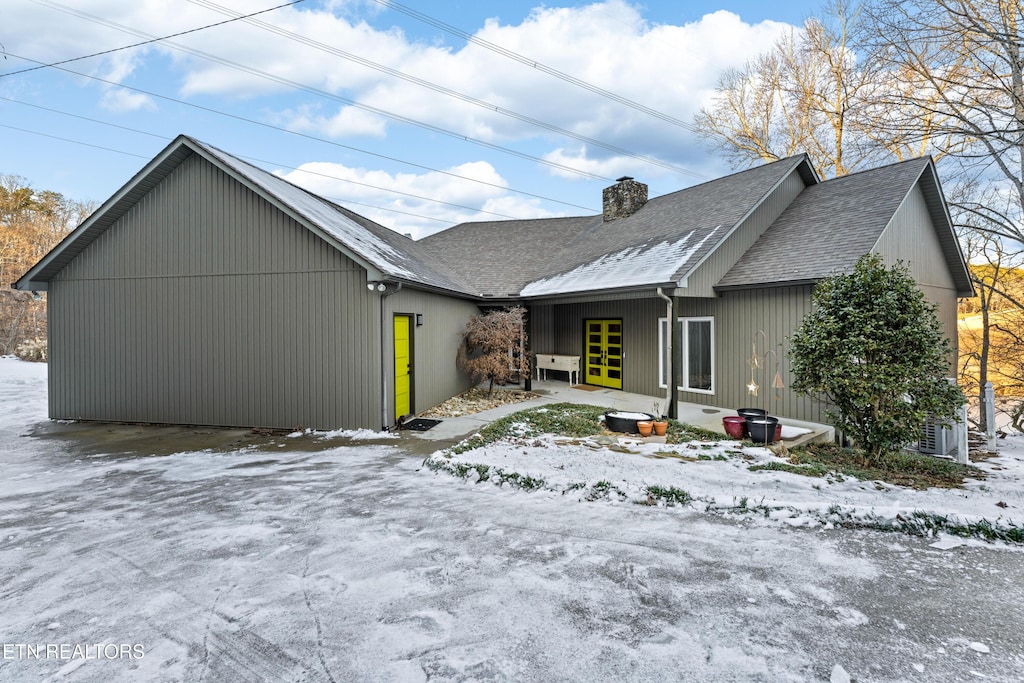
992	324
958	67
825	90
31	223
493	346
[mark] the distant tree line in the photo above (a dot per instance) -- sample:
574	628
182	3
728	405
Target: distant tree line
31	223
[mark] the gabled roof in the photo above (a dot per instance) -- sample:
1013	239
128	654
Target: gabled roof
658	245
383	252
832	224
829	225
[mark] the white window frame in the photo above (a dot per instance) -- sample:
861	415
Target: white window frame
685	355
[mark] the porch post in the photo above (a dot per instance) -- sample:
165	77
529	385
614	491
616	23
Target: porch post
528	323
676	364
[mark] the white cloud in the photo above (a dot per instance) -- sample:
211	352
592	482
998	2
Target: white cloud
429	201
610	167
669	68
347	122
121	100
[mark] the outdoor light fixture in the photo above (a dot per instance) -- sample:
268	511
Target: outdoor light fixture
379	286
419	320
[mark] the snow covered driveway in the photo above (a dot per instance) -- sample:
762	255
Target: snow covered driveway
354	564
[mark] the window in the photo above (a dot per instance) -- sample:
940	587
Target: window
696	357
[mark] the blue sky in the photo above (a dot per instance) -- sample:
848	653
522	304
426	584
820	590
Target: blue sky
292	91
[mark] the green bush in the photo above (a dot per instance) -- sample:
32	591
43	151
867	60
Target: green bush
873	348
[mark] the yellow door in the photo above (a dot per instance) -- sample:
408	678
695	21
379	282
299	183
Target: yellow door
604	353
403	367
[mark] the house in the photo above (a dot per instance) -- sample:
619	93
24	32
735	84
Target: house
208	291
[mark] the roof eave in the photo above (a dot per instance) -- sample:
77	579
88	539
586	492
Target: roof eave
802	282
653	286
37	277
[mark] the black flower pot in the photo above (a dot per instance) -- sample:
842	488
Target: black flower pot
762	429
747	413
625	421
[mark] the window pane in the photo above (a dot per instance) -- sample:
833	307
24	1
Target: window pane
699	354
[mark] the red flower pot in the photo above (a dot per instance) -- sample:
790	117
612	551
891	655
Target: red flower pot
735	426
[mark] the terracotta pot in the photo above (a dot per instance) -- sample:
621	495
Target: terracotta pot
736	427
660	427
644	427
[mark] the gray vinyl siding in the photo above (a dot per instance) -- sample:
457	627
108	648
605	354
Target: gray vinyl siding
708	273
911	237
558	329
204	304
738	315
435	377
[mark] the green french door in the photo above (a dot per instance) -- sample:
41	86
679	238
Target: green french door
604	353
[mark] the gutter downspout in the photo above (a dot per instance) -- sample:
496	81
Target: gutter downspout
383	364
668	341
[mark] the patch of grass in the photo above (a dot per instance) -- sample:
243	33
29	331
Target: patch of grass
605	489
566	419
671	495
680	432
806	469
501	477
927	524
913	470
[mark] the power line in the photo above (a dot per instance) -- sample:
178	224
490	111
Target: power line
522	59
264	161
145	42
323	93
298	38
74	142
140	156
263	124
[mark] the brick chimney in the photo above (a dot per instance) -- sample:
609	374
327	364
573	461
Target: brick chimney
624	198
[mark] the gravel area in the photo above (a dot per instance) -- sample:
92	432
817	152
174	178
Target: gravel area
477	400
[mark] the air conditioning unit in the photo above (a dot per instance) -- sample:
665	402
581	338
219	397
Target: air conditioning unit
938	437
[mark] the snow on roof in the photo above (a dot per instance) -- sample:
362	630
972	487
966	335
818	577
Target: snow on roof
634	266
323	215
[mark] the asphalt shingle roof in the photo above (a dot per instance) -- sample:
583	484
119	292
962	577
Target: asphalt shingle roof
827	227
564	255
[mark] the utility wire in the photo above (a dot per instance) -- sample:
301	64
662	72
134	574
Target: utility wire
522	59
140	156
147	42
74	142
298	38
264	161
263	124
323	93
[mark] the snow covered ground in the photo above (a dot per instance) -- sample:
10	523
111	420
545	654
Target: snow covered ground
718	477
351	561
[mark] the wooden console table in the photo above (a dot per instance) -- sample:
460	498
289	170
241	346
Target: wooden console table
550	361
